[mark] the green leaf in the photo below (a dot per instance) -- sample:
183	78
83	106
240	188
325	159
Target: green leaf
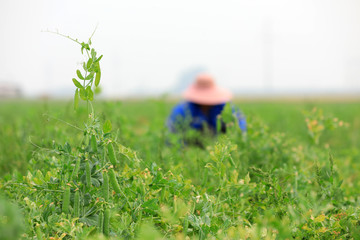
90	94
96	67
247	178
89	220
227	114
98	60
151	204
79	74
83	94
93	53
67	147
97	78
107	126
90	76
84	66
89	62
76	83
84	46
320	218
76	99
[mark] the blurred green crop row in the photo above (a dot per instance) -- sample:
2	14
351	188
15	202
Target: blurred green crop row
295	174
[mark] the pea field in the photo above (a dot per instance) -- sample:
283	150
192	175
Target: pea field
106	169
120	174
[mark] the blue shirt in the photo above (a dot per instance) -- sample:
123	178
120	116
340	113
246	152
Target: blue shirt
188	114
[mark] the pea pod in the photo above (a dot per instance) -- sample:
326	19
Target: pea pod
113	181
106	222
66	201
88	174
111	154
93	143
39	234
77	204
76	169
101	222
186	225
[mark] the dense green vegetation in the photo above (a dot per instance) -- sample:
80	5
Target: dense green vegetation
112	170
275	182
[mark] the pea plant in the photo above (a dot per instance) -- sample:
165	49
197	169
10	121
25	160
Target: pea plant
91	73
81	187
257	184
86	188
317	124
88	172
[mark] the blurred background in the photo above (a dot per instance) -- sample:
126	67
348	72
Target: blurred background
151	48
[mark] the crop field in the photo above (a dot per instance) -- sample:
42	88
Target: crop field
86	169
120	174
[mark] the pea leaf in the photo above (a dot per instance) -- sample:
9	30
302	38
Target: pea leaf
93	53
67	147
98	60
88	64
90	94
79	74
227	114
320	218
107	126
83	94
76	83
90	76
97	67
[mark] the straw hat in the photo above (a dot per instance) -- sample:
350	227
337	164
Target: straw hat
205	91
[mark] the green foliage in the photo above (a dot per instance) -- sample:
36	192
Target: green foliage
106	222
105	186
317	124
11	221
111	154
91	71
107	126
77	204
140	182
260	185
66	201
114	182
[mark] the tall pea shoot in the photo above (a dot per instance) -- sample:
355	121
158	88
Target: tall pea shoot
89	179
89	76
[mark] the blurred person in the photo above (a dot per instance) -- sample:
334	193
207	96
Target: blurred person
204	102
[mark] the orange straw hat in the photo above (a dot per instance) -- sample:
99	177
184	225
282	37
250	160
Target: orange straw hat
205	91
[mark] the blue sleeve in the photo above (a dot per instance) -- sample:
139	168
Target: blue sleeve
240	118
176	117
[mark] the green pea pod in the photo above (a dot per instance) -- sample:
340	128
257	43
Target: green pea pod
77	204
186	225
93	143
88	174
101	222
39	234
66	201
76	169
107	222
111	154
114	182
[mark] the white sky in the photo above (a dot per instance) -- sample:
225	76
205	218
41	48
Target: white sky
248	45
